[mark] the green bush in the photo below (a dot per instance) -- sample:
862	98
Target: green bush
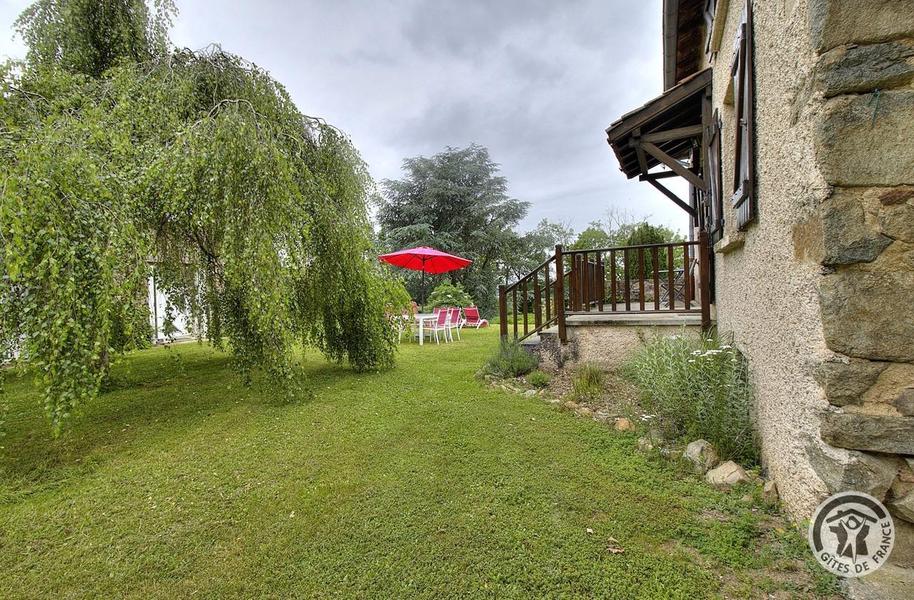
448	294
697	386
588	382
539	379
511	360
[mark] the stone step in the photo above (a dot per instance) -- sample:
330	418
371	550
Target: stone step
532	341
537	338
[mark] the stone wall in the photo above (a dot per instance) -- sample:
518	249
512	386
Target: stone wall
864	142
606	339
819	290
610	344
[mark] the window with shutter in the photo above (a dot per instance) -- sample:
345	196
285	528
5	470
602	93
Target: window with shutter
715	187
710	8
743	198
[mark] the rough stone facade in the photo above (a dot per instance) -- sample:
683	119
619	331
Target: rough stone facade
818	290
608	342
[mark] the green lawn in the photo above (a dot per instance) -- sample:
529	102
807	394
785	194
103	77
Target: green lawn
420	482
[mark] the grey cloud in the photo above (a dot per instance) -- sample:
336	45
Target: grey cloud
472	27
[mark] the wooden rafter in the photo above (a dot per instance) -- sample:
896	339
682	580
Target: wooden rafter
666	192
669	122
672	134
674	164
667	131
639	151
658	175
645	144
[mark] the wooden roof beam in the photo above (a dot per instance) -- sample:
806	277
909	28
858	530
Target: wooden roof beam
639	151
672	134
658	175
674	164
666	192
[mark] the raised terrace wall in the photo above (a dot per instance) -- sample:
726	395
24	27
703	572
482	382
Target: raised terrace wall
609	340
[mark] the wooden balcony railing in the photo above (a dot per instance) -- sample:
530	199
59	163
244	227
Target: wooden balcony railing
654	278
541	291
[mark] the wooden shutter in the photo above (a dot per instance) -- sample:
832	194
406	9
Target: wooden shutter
710	8
715	187
743	198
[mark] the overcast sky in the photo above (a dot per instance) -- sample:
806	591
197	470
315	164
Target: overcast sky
536	81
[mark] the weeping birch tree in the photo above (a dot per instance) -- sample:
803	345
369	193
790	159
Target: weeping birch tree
119	153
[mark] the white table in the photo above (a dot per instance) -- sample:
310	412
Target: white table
421	318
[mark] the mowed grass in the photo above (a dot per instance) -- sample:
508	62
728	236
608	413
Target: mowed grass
417	482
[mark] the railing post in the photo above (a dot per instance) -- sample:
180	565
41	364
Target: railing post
686	277
560	293
704	278
503	311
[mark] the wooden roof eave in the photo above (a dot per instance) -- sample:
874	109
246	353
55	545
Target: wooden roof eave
670	37
683	42
677	109
669	99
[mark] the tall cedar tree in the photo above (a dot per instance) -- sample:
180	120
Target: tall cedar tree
455	201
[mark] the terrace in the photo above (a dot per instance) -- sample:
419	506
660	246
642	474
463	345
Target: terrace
670	136
652	284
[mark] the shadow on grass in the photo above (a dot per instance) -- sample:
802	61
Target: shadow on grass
151	394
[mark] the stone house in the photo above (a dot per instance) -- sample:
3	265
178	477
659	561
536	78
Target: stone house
793	123
803	168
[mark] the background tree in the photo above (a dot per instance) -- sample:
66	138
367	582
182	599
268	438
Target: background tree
643	233
595	236
254	214
91	36
542	239
623	230
528	250
455	201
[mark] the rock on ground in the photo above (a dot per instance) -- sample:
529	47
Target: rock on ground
702	455
623	424
727	475
770	492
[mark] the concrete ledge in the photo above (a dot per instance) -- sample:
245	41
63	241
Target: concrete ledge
533	340
610	339
605	338
634	319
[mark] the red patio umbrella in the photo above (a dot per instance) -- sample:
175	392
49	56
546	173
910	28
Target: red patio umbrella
427	260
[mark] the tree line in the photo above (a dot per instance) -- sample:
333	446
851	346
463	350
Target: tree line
123	155
458	201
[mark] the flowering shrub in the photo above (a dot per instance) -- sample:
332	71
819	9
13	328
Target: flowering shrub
697	386
448	294
511	360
